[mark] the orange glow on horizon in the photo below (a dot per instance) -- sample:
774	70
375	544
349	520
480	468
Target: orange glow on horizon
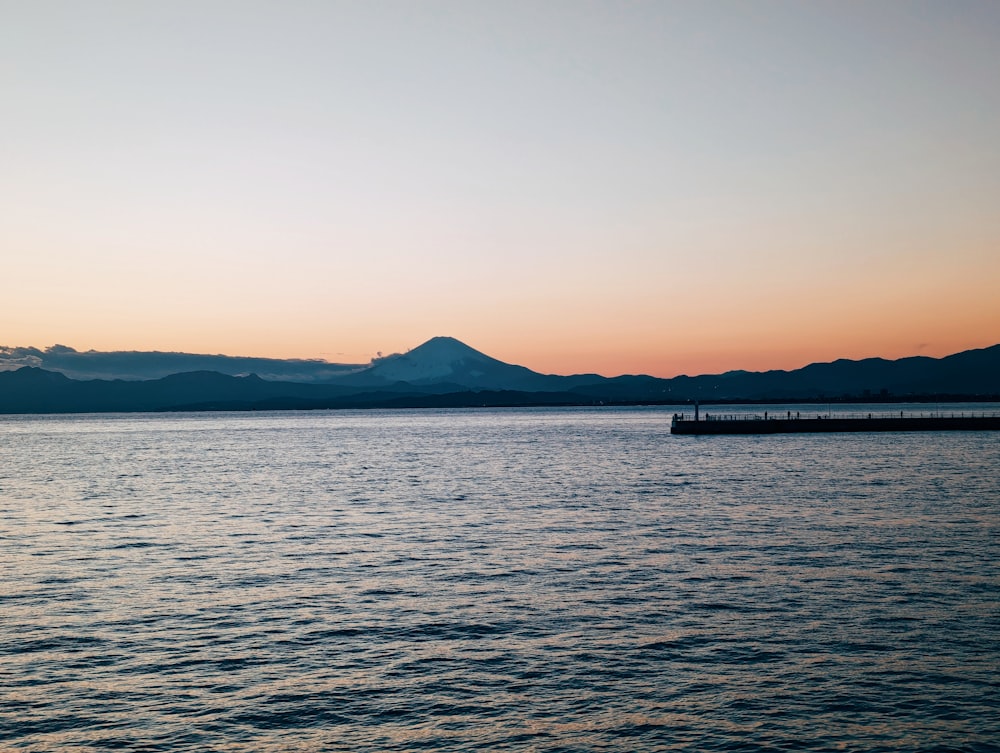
621	223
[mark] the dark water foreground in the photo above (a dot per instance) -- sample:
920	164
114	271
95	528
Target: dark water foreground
547	580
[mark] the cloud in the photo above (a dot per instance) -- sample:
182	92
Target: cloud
12	359
136	365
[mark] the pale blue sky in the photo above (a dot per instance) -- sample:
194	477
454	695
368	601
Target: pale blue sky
556	183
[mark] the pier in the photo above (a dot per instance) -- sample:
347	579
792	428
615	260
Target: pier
789	422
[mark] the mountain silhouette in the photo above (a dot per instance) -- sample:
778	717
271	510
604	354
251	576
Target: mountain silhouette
447	361
444	372
141	365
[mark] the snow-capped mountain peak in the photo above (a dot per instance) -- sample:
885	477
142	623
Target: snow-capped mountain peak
437	359
445	360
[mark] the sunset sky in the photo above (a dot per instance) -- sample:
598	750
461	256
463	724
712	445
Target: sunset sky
619	187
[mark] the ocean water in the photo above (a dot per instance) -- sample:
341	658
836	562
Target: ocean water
530	580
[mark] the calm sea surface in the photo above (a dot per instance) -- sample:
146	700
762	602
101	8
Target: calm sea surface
533	580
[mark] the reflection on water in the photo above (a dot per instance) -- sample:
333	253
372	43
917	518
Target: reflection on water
541	580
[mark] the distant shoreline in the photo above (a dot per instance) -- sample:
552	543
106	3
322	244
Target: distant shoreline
467	400
444	372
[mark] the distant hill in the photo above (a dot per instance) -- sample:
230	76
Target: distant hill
972	372
444	372
141	365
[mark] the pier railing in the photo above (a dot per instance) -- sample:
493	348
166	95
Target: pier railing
809	421
800	414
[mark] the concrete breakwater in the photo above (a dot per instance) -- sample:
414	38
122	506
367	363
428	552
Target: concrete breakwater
788	423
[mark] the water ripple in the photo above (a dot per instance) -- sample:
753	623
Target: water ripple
538	580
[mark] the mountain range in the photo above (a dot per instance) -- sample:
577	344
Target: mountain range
444	372
137	365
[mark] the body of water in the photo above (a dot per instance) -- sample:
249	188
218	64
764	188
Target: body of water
531	580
